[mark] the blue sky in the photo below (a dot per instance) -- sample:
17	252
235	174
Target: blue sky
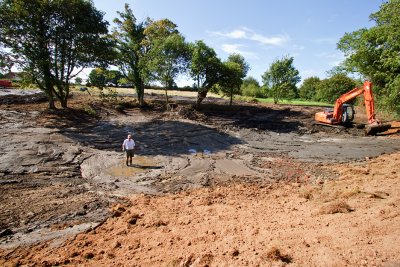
261	31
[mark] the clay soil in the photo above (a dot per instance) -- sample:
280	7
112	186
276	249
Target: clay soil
249	185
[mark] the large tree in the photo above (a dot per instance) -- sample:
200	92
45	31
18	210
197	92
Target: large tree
251	87
308	89
328	90
375	53
54	40
234	71
131	49
205	68
169	54
281	78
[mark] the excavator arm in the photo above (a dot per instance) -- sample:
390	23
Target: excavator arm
368	99
335	117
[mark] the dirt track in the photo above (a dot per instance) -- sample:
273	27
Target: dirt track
59	173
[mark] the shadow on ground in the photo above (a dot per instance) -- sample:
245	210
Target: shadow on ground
283	120
156	137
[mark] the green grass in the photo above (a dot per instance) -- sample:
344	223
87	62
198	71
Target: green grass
295	102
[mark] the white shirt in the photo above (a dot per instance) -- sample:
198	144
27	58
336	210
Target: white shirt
129	144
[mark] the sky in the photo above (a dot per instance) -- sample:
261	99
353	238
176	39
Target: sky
262	31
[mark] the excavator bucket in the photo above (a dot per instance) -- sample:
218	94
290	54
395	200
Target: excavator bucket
373	129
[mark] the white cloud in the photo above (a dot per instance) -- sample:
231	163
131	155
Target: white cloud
236	48
231	48
248	34
237	34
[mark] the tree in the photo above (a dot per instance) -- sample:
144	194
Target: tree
229	83
6	61
97	77
78	80
235	69
251	87
240	73
101	77
113	77
169	54
281	78
375	53
131	50
53	39
308	89
205	68
328	90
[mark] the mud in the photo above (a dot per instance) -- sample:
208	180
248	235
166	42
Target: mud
62	170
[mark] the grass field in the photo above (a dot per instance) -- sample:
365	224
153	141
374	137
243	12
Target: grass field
295	102
130	91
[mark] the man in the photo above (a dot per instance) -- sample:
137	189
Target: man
128	146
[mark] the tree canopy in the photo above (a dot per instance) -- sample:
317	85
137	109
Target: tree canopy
169	54
54	40
205	68
308	89
328	90
129	38
234	70
375	53
281	78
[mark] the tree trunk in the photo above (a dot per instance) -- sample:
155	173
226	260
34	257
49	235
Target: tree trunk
166	97
64	97
230	102
200	97
64	102
51	103
141	97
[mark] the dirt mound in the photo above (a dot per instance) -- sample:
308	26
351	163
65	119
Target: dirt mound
15	96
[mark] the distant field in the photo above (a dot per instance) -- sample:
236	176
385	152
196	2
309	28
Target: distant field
150	91
294	102
94	90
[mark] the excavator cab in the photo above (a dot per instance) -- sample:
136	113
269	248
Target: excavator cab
347	113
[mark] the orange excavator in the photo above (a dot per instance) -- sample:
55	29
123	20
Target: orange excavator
343	113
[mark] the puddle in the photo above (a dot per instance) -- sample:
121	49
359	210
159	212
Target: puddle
139	165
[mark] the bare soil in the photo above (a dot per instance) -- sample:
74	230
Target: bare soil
249	185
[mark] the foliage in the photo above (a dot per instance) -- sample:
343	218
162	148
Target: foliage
6	61
308	89
169	54
78	80
53	39
375	53
281	79
328	90
251	87
101	77
296	102
131	50
234	70
113	77
90	110
109	95
205	68
97	77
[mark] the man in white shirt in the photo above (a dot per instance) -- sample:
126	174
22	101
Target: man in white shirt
128	146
